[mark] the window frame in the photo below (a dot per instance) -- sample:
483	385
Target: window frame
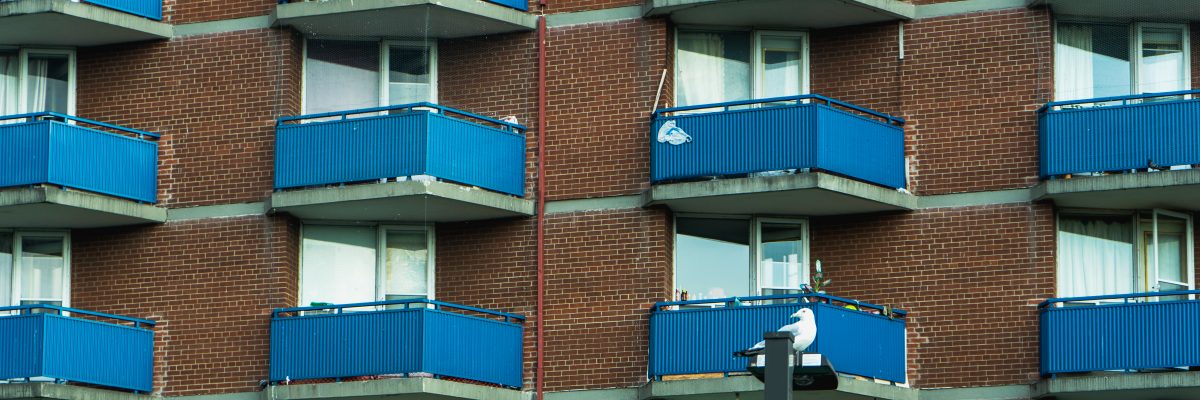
381	230
756	66
384	48
1135	49
754	248
14	281
1144	276
23	73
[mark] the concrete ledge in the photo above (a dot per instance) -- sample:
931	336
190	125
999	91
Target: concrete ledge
412	201
849	388
46	390
1174	10
1122	386
400	388
68	23
1143	190
814	193
814	14
53	207
401	18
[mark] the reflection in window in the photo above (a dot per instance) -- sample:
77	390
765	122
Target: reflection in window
712	257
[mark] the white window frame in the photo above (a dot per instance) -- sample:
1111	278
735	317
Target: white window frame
23	72
15	280
756	64
1135	48
384	66
380	256
755	247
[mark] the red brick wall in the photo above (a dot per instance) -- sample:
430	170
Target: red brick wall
971	85
969	277
602	81
858	65
211	284
213	98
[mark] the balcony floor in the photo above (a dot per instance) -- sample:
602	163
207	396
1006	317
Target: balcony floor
748	387
1178	190
813	194
412	201
398	388
52	207
68	23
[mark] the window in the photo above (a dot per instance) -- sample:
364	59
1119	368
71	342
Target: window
713	66
34	268
719	257
1120	253
1095	60
343	264
341	75
33	80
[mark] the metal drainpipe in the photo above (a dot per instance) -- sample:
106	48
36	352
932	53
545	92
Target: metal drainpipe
540	373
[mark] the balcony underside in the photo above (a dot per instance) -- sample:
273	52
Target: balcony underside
1122	386
52	207
400	201
51	391
1178	190
813	194
849	388
1139	9
401	18
399	388
68	23
813	14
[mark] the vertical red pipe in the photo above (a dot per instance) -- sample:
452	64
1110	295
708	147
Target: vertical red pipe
540	374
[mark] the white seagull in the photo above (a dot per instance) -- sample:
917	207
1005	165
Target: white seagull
805	331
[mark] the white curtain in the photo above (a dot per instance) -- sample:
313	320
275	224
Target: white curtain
701	68
38	82
8	84
1073	78
1095	257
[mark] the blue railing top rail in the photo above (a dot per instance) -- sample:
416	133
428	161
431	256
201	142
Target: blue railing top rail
47	115
1049	107
1127	297
828	101
422	106
28	309
339	308
821	298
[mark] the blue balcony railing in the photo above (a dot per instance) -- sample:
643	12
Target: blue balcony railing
143	8
1120	332
38	342
51	148
401	337
700	336
1119	133
744	137
397	141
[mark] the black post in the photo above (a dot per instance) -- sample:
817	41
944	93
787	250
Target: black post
777	384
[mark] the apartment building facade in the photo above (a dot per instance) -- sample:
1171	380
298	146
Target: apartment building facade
596	199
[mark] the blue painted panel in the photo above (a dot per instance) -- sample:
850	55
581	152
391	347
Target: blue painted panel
771	138
476	155
1120	137
1159	334
80	158
59	347
475	348
522	5
24	153
21	346
693	341
143	8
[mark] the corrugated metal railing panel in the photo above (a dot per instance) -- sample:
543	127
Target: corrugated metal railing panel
476	155
736	142
143	8
1129	336
346	345
860	147
102	162
694	341
24	153
21	346
125	360
1119	137
353	150
522	5
473	348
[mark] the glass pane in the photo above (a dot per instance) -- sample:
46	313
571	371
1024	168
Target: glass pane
6	272
409	80
782	61
1091	60
712	67
9	89
47	88
1170	257
406	266
782	263
1162	68
338	264
42	269
712	257
341	75
1095	256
